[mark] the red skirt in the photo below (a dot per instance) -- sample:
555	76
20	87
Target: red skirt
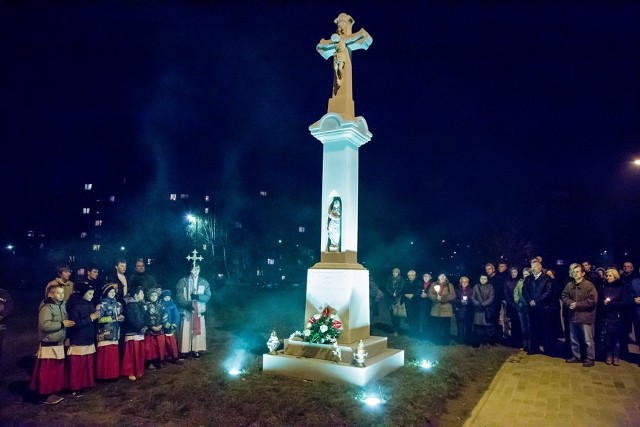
133	357
154	347
80	371
171	347
48	376
107	362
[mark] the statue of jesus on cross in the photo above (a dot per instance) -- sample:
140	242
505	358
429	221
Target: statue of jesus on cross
342	42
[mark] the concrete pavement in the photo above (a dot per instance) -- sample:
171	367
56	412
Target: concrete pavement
544	391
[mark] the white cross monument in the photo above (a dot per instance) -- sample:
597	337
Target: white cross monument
338	281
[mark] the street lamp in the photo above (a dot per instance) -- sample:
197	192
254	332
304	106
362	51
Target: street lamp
193	222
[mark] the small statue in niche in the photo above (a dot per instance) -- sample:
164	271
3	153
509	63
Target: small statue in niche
334	225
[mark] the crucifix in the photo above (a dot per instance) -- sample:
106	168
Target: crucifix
342	42
194	257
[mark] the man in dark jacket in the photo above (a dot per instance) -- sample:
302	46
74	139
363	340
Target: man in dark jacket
537	292
581	298
141	277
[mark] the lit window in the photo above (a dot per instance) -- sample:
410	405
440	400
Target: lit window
83	235
98	222
86	211
271	261
263	193
112	199
88	186
184	196
31	233
260	273
206	210
206	198
72	258
173	196
301	229
96	247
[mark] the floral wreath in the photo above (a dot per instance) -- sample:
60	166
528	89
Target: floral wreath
322	328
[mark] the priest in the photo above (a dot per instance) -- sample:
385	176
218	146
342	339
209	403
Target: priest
192	294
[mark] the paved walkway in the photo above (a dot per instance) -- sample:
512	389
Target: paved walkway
543	391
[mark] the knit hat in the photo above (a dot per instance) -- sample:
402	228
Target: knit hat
107	287
151	291
84	287
165	293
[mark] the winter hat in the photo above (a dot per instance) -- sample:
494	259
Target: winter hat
84	287
107	287
165	293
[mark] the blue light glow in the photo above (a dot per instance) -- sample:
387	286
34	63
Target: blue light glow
372	401
427	364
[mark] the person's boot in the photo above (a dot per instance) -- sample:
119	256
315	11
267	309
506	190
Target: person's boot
609	359
616	361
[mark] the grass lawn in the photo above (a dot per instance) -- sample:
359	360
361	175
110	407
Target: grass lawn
202	393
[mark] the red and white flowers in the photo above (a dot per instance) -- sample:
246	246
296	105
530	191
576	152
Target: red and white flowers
322	328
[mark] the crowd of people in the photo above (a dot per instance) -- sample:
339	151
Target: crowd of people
100	331
593	312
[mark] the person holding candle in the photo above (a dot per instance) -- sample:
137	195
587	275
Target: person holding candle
442	294
463	310
613	303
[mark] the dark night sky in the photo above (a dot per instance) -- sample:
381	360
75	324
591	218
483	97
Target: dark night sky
483	116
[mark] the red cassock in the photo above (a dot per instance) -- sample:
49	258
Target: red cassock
133	357
107	361
48	374
154	347
171	347
80	367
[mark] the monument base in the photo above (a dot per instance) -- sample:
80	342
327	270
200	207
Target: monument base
376	367
346	293
372	346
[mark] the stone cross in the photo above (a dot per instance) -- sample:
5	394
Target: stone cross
342	42
194	257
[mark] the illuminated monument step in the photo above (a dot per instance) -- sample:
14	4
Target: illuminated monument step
372	346
338	373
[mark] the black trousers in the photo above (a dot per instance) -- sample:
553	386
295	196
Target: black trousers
542	334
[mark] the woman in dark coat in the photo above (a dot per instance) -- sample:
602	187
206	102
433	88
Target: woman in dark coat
482	299
612	303
464	310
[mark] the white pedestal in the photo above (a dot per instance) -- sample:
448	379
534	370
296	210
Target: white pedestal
338	373
347	292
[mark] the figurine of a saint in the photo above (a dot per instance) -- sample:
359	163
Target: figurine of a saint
334	224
